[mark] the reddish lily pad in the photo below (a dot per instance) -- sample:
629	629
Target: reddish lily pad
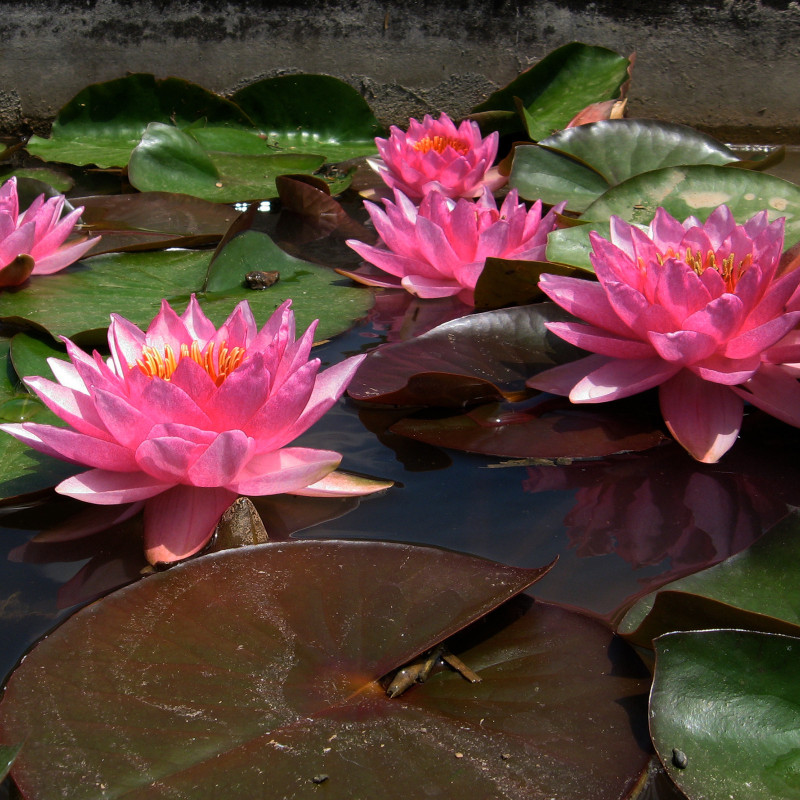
273	687
151	220
476	358
552	428
754	589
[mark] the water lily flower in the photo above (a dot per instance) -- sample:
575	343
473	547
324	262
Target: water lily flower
435	155
439	250
40	233
695	309
187	417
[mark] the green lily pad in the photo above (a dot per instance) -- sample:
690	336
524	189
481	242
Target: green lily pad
725	714
697	191
104	122
258	669
79	299
29	355
7	757
580	164
754	589
169	160
571	246
553	91
43	178
312	114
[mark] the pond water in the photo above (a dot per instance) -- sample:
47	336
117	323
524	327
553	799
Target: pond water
619	526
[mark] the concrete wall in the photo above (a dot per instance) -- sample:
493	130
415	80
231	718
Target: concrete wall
729	66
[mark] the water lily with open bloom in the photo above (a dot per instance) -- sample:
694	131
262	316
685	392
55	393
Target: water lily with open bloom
34	241
695	309
440	248
435	155
187	417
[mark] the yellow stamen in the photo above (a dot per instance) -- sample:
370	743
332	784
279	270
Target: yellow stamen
162	365
729	270
440	143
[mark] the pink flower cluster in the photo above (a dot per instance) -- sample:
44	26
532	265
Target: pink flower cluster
40	233
439	248
698	310
186	417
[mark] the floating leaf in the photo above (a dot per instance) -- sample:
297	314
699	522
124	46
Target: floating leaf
44	177
506	282
579	164
105	121
312	114
753	589
552	429
476	358
697	191
725	714
8	755
572	246
152	220
169	160
272	688
553	91
133	284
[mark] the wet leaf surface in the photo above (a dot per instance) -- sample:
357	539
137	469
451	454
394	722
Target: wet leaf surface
698	190
725	713
754	589
133	284
579	164
476	358
505	282
152	220
554	90
549	428
104	122
7	756
274	685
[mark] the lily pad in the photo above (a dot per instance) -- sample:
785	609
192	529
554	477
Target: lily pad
552	92
697	191
753	589
477	358
506	282
273	689
104	122
152	220
80	299
725	714
312	114
7	758
571	246
551	430
169	160
579	164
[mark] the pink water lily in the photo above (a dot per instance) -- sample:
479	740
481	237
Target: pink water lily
695	309
187	417
435	155
40	233
440	248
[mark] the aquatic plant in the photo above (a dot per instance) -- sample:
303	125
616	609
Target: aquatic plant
690	307
439	249
186	417
33	242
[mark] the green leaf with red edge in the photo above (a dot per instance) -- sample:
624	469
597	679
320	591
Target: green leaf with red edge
274	685
476	358
754	589
152	220
552	428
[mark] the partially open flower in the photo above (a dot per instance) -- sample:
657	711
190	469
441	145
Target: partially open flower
435	155
187	417
440	249
39	232
695	309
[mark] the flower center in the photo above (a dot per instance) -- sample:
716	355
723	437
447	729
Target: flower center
440	143
162	365
729	270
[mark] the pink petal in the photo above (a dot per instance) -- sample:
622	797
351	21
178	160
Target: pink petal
340	484
106	488
704	417
561	379
286	470
430	287
180	521
596	340
222	460
774	390
622	378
